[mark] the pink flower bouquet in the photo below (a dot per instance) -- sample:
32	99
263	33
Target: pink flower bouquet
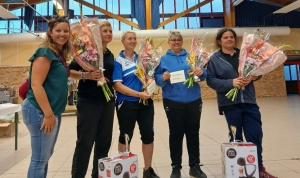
87	49
257	57
148	60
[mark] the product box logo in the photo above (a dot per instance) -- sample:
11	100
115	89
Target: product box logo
101	166
133	168
231	153
250	159
118	169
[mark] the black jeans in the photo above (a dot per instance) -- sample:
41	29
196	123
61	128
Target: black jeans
94	125
184	118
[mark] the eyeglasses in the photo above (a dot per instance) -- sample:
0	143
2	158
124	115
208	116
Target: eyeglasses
174	40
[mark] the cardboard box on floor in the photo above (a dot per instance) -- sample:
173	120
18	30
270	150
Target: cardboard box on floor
7	129
239	160
124	165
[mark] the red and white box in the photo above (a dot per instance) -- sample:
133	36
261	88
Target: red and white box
124	165
239	160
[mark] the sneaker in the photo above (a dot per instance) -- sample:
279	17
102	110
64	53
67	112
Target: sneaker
149	173
196	172
264	174
175	172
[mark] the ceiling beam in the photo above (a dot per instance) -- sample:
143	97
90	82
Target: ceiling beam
109	14
148	19
183	13
229	13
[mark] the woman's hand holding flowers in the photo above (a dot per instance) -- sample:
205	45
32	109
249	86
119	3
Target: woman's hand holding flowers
144	95
198	71
94	75
238	82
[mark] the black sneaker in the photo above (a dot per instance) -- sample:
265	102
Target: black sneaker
175	173
196	172
149	173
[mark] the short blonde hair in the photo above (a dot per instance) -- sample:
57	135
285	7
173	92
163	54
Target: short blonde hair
175	33
124	34
104	23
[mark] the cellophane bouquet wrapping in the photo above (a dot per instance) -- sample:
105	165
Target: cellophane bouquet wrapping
148	60
257	57
198	57
87	49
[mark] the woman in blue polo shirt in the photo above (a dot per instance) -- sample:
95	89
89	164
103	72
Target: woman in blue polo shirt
129	110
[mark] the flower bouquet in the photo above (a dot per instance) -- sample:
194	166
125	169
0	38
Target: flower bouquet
198	57
257	57
148	60
87	49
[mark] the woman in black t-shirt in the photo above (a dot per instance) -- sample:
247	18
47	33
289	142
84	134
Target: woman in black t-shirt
94	114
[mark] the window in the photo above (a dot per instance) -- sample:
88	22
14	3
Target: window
86	10
134	21
16	12
113	6
217	6
290	72
180	5
126	7
3	26
51	9
170	26
101	4
76	7
194	22
124	26
206	8
168	7
42	9
14	26
287	74
182	23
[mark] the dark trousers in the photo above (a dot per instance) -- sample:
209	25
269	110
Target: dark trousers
184	119
247	119
129	113
94	125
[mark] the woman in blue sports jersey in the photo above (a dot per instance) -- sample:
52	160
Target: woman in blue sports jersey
129	111
182	105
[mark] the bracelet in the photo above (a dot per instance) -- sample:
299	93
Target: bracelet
83	76
49	115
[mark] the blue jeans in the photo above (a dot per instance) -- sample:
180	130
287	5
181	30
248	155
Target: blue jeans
42	145
247	119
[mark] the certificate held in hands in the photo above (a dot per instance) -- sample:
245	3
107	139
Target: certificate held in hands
151	88
177	76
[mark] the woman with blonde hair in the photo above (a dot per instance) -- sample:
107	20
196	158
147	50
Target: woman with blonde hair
129	109
94	114
43	105
183	106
